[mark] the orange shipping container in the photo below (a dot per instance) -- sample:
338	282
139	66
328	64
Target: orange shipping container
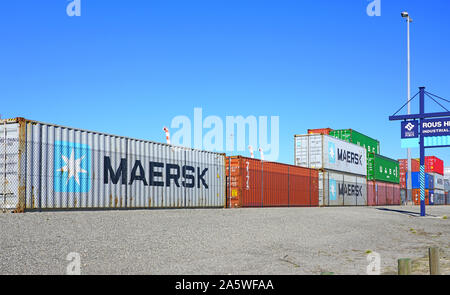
325	131
416	196
256	183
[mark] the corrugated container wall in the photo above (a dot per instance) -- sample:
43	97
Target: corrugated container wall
429	180
325	131
256	183
416	196
415	167
383	169
433	165
56	167
342	189
350	135
326	152
438	183
439	197
383	193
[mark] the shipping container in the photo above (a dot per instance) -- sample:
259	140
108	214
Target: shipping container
342	189
447	198
446	184
325	131
433	165
256	183
429	180
326	152
383	193
447	171
55	167
439	197
382	168
416	196
404	196
438	181
415	167
371	145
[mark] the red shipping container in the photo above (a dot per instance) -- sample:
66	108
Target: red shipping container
415	167
256	183
383	193
371	195
325	131
433	165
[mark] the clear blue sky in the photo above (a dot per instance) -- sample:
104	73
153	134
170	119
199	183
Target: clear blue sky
129	67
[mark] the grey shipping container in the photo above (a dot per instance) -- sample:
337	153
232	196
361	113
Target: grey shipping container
439	197
342	189
438	181
326	152
46	166
447	184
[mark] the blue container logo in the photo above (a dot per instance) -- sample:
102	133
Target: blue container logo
333	190
331	152
72	167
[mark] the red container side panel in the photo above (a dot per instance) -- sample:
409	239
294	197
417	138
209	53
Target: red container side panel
276	185
303	187
324	131
371	197
255	183
389	194
381	193
397	195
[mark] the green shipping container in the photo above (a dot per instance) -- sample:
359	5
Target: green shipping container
382	169
350	135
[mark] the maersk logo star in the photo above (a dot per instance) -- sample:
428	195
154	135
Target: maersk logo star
72	162
331	152
72	167
332	190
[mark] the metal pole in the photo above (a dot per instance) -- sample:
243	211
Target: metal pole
409	178
422	154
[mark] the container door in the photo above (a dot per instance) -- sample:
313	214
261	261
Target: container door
9	163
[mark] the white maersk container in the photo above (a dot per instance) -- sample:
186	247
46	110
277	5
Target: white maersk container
326	152
342	189
343	165
45	166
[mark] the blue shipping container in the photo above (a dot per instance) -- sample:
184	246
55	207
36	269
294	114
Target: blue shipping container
429	180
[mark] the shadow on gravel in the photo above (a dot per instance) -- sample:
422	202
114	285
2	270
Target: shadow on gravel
410	213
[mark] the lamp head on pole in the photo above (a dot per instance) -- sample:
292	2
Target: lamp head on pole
405	14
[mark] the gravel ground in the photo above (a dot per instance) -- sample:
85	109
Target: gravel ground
219	241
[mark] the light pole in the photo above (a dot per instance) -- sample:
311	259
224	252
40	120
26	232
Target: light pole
409	179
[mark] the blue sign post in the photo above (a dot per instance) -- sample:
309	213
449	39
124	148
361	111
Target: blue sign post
419	126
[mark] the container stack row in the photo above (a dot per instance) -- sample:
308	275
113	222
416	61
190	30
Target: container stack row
435	187
375	177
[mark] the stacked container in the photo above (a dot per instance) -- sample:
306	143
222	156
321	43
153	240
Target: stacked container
438	189
382	172
342	165
415	167
447	185
256	183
